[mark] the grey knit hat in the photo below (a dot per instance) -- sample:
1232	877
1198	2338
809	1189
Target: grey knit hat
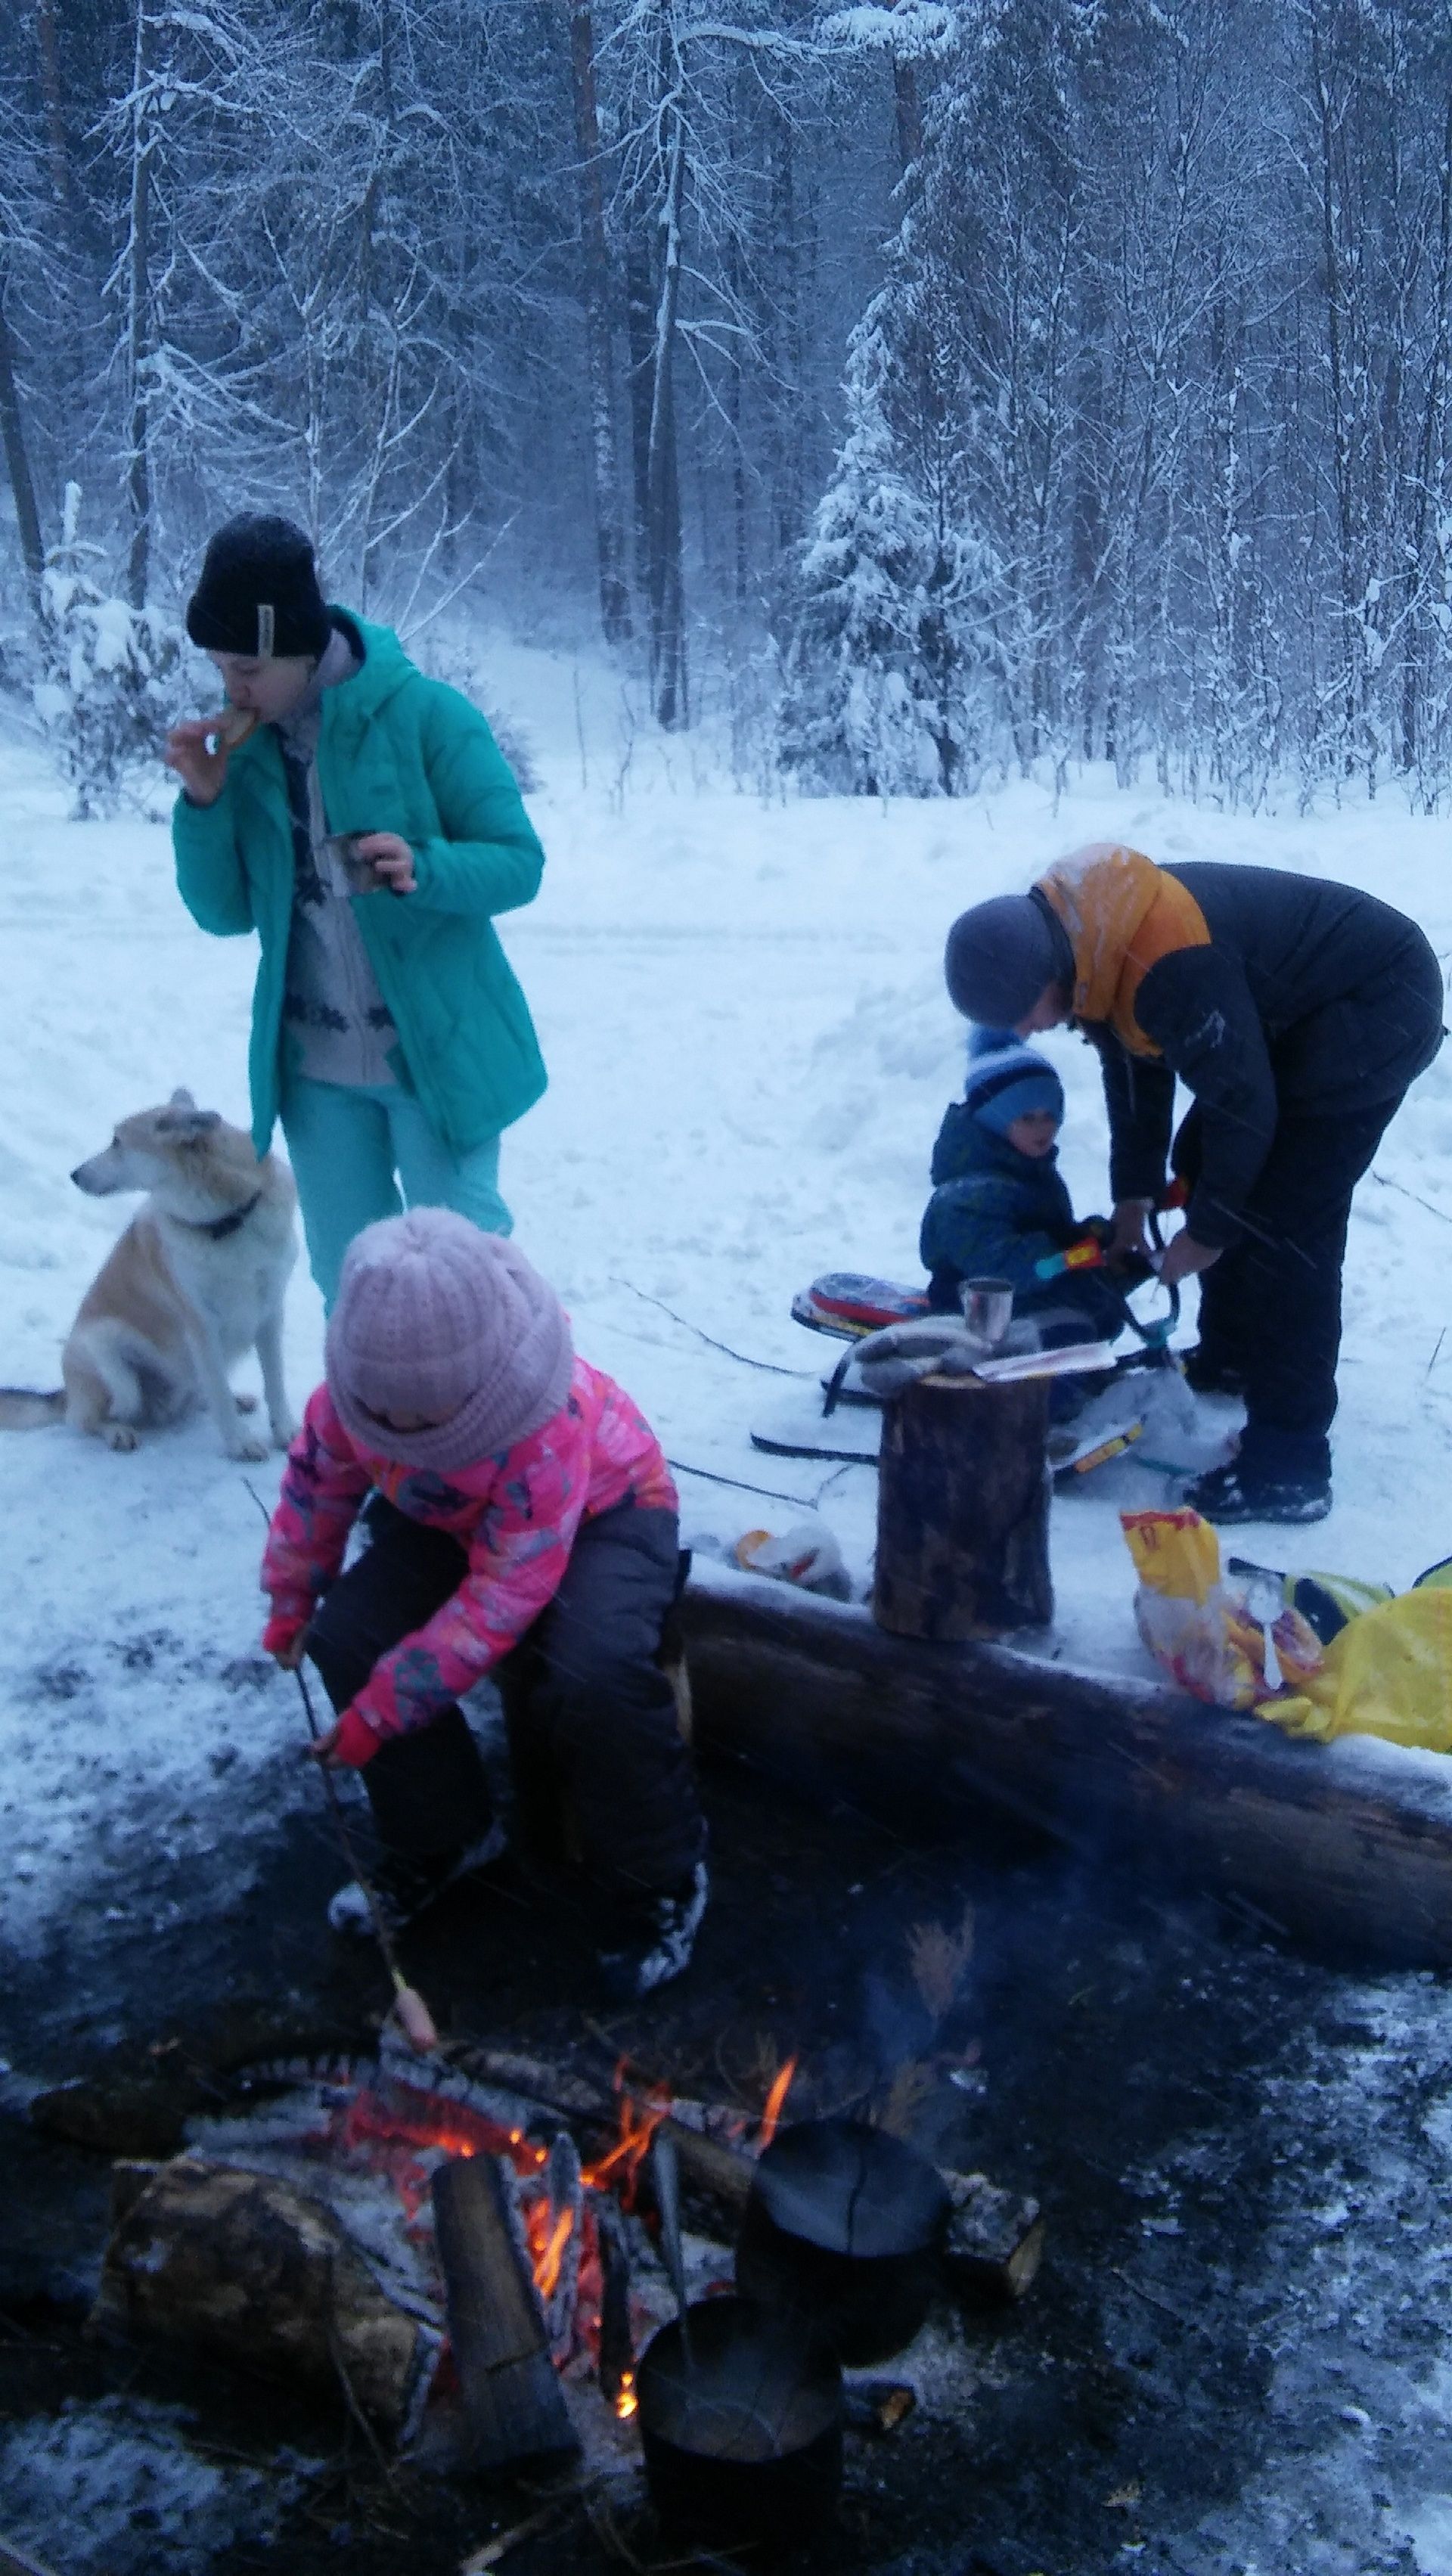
435	1318
1000	956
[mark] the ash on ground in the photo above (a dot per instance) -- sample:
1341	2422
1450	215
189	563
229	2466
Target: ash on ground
1234	2359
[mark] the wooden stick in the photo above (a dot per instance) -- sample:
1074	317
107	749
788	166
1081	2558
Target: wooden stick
410	2002
15	2561
415	2019
479	2561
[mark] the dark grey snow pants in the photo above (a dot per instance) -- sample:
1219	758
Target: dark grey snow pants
591	1715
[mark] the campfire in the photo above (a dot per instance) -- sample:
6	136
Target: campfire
457	2254
331	2230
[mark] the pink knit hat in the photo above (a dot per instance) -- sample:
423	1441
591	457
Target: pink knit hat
434	1317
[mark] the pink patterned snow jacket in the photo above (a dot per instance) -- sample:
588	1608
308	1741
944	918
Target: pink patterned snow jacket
516	1513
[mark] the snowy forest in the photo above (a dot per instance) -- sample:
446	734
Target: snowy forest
921	392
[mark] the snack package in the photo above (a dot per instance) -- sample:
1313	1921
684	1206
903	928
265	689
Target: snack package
1199	1625
1388	1673
807	1554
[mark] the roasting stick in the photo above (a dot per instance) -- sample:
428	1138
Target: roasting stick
15	2561
414	2018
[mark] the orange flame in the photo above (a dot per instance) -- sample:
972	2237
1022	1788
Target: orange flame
548	2258
771	2115
639	2121
626	2401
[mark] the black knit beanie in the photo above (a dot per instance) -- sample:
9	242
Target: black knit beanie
1001	955
259	593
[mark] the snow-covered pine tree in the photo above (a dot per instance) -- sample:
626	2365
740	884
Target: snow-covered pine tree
108	688
880	687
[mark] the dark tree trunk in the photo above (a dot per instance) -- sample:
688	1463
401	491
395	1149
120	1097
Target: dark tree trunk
17	462
595	261
963	1509
665	592
57	148
639	310
140	336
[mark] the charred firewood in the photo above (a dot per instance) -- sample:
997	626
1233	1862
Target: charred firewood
511	2393
617	2348
995	2241
565	2200
708	2161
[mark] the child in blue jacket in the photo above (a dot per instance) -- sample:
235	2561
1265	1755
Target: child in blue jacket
999	1206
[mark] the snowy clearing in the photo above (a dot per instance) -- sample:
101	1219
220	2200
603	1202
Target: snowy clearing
749	1046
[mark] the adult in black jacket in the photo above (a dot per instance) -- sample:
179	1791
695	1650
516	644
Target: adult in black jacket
1296	1013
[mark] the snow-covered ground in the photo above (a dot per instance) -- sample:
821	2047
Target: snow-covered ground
750	1048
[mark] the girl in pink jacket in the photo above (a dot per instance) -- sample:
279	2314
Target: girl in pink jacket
520	1521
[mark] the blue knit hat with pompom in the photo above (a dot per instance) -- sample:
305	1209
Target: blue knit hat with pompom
1008	1080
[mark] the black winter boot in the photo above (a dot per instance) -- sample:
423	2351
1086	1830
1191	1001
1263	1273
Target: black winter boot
403	1888
1236	1492
652	1941
1207	1374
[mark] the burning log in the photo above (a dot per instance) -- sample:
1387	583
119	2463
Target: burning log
511	2393
558	2271
995	2240
242	2266
617	2342
963	1509
708	2162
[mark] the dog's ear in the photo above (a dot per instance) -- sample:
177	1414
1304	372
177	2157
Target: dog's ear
188	1126
181	1099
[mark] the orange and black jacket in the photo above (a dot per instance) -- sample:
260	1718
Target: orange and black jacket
1269	995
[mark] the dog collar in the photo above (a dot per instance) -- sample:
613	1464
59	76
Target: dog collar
217	1228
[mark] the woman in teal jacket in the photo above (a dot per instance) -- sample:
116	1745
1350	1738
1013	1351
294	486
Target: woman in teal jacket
361	819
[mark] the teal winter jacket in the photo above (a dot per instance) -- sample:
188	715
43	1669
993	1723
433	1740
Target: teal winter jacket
396	753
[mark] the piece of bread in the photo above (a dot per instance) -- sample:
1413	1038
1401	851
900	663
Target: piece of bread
232	726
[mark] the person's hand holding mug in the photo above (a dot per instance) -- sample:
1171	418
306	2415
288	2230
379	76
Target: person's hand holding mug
388	857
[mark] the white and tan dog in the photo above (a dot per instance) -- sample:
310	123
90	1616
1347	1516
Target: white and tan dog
197	1278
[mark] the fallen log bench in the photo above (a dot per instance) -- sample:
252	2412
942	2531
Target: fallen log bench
1347	1846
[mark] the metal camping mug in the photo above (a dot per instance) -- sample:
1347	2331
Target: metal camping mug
987	1310
342	848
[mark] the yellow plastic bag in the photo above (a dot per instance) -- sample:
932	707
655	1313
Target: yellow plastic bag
1199	1628
1388	1673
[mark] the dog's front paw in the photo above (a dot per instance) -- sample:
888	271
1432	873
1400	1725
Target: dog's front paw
119	1435
284	1432
246	1450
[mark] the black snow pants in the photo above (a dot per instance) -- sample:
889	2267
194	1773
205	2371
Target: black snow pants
591	1716
1270	1307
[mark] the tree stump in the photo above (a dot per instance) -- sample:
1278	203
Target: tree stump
963	1509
